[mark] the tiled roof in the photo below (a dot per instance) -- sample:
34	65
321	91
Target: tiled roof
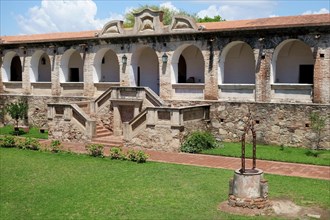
49	37
268	23
261	23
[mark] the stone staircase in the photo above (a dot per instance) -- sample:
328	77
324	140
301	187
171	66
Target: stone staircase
106	137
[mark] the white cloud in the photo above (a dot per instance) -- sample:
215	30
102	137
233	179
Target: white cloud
169	5
234	10
321	11
63	16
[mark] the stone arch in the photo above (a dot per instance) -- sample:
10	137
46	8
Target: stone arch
292	62
6	66
71	67
195	65
40	69
145	68
237	64
106	66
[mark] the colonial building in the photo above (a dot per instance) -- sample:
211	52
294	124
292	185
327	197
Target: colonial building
151	84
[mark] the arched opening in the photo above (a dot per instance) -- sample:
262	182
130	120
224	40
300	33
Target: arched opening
293	62
237	64
16	69
40	70
188	65
146	68
106	66
182	70
6	66
71	67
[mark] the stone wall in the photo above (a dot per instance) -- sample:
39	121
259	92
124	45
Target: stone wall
65	131
165	137
37	112
276	123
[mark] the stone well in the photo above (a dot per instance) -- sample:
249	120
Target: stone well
248	189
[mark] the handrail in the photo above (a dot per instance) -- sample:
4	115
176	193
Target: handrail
178	117
84	121
102	98
153	97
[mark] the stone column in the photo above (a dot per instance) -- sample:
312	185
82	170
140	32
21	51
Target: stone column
26	63
262	83
165	85
55	71
321	76
211	72
117	129
88	58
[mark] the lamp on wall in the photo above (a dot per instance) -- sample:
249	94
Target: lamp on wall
124	59
165	58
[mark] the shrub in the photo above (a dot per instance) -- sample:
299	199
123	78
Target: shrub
95	150
55	146
312	153
198	141
7	141
141	157
28	143
137	156
117	154
131	155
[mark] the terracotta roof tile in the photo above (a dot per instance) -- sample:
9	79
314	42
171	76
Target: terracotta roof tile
275	22
49	36
261	23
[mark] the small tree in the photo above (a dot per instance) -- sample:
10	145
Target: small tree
317	125
17	110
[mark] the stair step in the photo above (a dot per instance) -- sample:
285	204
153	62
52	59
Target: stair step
109	141
103	131
103	135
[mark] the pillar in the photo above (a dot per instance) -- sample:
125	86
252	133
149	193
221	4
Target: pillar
211	72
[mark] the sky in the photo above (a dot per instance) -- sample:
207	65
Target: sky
20	17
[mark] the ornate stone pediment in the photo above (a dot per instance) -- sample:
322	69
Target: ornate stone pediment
148	21
183	23
112	28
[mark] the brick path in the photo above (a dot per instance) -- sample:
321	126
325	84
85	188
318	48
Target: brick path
272	167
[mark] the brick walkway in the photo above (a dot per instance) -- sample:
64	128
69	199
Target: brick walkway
280	168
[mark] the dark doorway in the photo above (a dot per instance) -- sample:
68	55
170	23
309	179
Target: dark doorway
16	69
182	70
306	74
138	77
74	75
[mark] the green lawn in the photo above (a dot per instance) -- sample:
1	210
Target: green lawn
42	185
276	153
33	132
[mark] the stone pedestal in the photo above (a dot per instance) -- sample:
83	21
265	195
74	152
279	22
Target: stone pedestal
248	189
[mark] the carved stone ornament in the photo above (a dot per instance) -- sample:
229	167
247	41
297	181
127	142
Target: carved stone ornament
112	28
147	21
183	23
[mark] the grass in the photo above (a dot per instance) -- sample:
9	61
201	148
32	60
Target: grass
33	132
275	153
42	185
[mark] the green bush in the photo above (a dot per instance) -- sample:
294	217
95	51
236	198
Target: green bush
198	141
95	150
137	156
313	153
141	157
117	154
55	146
28	143
7	141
